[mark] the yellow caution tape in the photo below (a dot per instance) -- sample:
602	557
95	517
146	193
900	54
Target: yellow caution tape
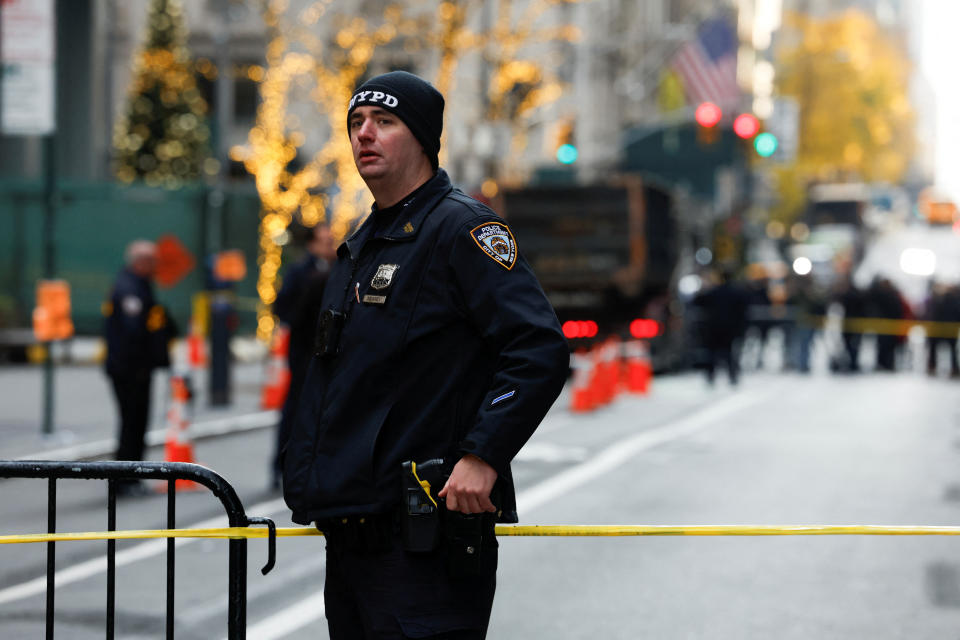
516	530
887	326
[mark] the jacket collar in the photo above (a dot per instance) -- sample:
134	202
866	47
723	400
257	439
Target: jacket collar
403	220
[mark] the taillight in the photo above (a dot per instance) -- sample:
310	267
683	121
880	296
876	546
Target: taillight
644	328
580	329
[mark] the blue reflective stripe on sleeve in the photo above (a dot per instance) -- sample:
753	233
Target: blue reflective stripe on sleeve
509	394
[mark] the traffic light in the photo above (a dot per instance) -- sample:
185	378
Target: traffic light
765	144
567	154
708	116
746	126
566	150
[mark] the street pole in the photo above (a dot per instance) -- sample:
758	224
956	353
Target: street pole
49	269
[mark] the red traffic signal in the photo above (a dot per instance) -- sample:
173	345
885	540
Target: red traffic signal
707	114
746	125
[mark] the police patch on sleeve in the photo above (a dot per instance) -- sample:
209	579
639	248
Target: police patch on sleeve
497	242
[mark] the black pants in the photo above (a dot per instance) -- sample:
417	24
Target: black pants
933	344
723	352
132	391
395	595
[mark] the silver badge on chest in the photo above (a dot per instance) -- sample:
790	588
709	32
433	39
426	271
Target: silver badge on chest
383	278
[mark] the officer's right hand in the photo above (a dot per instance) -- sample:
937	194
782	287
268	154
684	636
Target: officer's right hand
469	486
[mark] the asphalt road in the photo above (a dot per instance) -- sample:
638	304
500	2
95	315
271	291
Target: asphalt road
781	449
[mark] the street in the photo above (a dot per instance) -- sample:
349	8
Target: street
781	449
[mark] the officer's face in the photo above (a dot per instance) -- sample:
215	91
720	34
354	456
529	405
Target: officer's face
383	146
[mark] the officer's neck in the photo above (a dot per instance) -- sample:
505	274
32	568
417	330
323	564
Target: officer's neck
389	190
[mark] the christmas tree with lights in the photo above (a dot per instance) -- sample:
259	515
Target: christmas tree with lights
162	137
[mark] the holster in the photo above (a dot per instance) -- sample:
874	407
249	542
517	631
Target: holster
420	508
468	540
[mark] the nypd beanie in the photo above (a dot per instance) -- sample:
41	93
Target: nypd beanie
411	99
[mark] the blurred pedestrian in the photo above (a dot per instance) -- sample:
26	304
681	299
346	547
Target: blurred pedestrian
298	307
809	308
137	332
943	305
884	302
851	299
760	318
437	357
723	310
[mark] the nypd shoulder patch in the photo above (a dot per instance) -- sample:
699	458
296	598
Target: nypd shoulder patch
495	239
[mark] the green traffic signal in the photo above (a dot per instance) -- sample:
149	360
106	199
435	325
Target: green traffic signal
765	144
567	154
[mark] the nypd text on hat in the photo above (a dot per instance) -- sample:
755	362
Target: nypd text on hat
373	97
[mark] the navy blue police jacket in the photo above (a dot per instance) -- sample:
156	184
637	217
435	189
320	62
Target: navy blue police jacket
449	347
136	328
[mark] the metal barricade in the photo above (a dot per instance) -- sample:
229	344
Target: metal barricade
113	472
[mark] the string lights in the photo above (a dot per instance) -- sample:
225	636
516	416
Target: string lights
303	61
163	138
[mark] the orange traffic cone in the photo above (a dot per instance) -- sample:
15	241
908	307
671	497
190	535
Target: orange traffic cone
581	399
609	367
196	348
638	369
178	446
277	379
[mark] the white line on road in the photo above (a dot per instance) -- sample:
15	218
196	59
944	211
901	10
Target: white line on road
142	551
618	453
154	437
288	620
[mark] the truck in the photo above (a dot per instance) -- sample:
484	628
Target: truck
605	255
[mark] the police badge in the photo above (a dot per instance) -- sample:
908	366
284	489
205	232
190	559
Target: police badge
383	278
497	242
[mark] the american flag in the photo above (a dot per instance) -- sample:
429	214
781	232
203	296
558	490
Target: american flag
708	64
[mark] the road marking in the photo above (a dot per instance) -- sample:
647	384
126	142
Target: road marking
288	620
621	451
550	452
92	567
154	437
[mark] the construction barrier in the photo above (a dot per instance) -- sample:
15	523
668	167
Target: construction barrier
116	471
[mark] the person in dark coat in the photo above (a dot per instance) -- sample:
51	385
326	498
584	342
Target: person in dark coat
884	302
437	347
298	307
852	300
724	322
137	332
943	306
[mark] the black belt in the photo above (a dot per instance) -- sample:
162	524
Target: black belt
365	534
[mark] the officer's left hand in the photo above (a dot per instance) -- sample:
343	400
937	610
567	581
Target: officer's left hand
469	486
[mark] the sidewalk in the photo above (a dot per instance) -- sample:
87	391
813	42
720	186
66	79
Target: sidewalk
85	415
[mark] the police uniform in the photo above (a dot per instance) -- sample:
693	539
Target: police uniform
439	342
137	331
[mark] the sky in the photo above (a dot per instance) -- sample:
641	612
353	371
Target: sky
939	61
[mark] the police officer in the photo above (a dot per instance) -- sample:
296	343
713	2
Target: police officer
298	307
436	342
137	332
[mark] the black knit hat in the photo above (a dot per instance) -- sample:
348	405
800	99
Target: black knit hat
412	99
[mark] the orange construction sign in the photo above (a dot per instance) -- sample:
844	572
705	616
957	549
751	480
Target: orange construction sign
230	266
51	316
174	261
